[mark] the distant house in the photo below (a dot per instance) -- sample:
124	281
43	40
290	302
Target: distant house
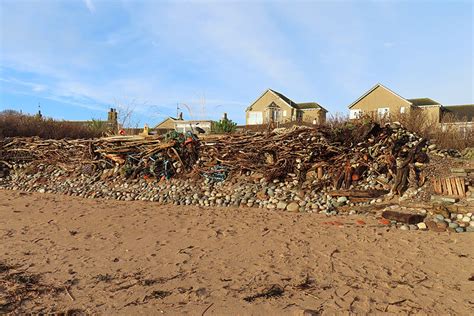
274	107
168	124
181	125
381	102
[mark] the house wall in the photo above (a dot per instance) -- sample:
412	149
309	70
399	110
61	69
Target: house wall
431	113
380	98
261	104
166	124
316	114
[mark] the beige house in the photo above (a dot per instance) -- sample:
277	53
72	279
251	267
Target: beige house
181	125
381	102
274	107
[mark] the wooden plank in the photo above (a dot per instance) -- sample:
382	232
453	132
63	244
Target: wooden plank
358	193
403	217
440	186
454	186
461	187
448	186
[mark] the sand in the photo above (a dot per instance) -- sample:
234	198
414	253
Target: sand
138	257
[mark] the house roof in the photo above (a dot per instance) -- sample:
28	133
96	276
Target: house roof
375	87
166	119
309	105
463	113
423	101
299	106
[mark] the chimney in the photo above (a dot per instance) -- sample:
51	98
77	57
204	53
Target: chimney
180	116
224	117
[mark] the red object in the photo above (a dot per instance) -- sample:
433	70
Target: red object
360	222
384	221
122	132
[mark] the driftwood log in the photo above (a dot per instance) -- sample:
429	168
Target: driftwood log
403	217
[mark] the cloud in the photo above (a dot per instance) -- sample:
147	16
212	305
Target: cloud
90	5
388	44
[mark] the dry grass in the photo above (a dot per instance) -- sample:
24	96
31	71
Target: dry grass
446	135
14	124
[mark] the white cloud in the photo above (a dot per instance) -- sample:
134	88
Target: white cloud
388	44
90	5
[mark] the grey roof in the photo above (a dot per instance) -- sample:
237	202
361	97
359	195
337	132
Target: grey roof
299	106
423	101
462	113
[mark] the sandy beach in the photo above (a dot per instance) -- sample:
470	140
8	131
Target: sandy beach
137	257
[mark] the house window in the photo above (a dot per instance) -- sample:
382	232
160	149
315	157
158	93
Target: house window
354	114
383	112
255	118
402	110
284	113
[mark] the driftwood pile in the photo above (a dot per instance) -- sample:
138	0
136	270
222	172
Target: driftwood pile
339	158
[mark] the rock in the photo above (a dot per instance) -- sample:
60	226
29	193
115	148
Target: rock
271	206
293	207
436	226
404	227
466	219
470	229
281	205
341	200
471	223
42	190
413	227
440	217
459	230
453	225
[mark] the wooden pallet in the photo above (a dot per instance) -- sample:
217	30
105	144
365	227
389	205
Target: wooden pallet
453	186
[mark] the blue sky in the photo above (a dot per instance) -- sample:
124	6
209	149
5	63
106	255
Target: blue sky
79	58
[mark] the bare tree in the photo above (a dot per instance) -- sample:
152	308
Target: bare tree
125	111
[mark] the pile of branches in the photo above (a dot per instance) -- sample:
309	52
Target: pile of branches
274	154
138	155
160	156
62	152
348	154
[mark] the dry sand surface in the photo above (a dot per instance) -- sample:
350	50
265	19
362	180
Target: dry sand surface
137	257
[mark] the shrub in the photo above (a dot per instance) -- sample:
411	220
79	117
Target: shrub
224	126
15	124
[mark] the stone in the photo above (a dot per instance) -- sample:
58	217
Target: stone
459	230
471	223
293	207
42	190
404	227
341	200
281	205
436	226
466	219
413	227
470	229
271	206
453	225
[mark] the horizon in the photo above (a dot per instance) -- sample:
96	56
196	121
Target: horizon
77	58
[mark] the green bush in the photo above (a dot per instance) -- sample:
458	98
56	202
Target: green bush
224	126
